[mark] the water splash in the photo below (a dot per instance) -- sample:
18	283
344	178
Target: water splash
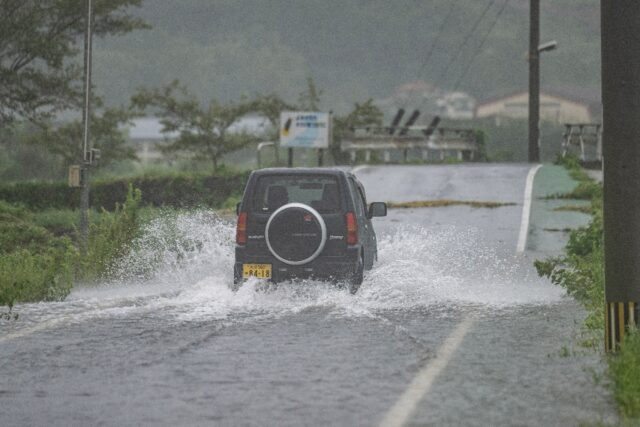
173	255
178	249
422	267
183	264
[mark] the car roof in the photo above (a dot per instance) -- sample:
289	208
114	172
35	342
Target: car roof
300	171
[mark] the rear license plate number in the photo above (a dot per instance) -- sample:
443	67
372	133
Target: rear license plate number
262	271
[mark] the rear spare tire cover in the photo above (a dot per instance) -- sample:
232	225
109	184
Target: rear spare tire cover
296	234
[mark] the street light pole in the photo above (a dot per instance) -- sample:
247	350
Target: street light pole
86	141
534	82
621	158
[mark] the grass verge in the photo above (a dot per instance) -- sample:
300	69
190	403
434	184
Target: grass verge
35	265
587	189
574	208
39	256
624	370
581	272
110	237
39	224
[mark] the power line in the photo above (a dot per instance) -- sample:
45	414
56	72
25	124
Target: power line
479	49
434	42
462	45
466	40
445	21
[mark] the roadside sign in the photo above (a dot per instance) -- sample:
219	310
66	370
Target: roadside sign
304	129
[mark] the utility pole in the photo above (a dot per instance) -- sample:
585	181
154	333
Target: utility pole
534	82
87	154
621	145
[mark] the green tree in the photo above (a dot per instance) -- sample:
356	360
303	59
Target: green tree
20	160
203	132
64	139
39	43
270	106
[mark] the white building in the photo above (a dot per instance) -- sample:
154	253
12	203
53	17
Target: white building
554	108
457	105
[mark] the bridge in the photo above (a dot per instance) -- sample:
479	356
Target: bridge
427	142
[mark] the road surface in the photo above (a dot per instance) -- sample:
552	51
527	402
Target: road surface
452	327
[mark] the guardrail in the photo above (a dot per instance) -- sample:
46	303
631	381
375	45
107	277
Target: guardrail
262	145
585	137
430	143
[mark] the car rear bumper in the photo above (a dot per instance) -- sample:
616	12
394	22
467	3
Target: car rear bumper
323	267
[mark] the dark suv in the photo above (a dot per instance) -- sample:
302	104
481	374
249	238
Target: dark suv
299	223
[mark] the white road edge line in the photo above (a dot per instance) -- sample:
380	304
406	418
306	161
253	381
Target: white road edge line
47	324
39	327
400	413
526	209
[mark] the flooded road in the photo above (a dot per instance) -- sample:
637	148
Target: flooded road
167	342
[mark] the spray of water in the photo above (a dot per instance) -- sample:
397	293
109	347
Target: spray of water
182	265
178	250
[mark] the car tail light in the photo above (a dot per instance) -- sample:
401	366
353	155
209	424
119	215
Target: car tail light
352	228
241	230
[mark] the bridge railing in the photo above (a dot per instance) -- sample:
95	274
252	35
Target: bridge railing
584	139
428	143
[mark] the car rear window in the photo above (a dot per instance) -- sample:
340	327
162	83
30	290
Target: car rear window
321	192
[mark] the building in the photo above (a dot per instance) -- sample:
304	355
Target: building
457	105
554	108
146	136
414	95
430	100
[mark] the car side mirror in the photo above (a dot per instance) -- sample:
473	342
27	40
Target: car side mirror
238	208
377	209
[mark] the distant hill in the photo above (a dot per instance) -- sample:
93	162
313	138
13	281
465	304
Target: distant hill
354	49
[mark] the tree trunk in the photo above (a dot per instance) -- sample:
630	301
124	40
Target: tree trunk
212	154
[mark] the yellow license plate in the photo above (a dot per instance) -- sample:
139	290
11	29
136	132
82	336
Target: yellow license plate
262	271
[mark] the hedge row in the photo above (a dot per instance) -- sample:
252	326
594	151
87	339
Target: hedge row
174	191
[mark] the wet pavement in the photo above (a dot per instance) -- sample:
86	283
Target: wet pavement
168	343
